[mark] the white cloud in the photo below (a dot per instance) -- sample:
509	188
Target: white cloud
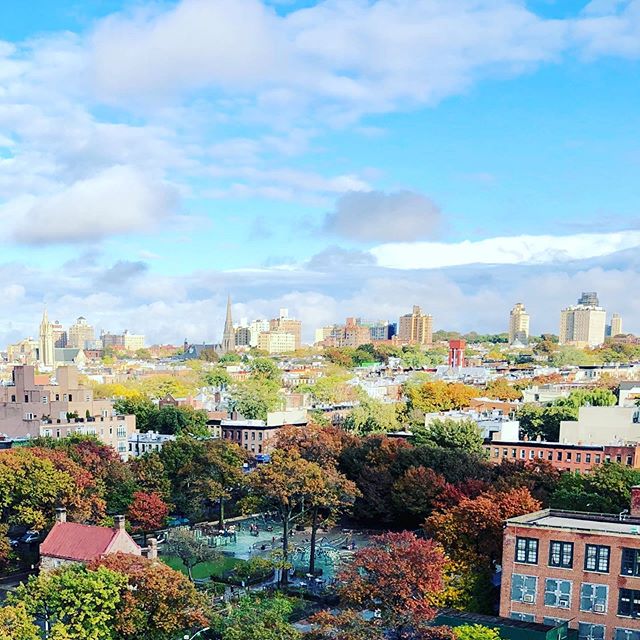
504	250
115	201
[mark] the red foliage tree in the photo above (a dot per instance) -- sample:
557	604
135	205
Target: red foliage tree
148	511
399	575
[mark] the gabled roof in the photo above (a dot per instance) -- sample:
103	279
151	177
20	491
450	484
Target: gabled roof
81	542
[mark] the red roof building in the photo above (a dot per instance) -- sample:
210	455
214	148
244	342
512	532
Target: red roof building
71	542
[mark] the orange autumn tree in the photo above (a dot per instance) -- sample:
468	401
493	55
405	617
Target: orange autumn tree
471	531
288	484
400	576
157	602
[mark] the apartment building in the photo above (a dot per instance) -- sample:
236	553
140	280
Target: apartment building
602	425
416	327
584	569
258	436
583	325
286	325
518	325
274	342
565	457
29	410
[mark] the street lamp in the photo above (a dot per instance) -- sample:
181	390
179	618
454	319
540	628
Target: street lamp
195	635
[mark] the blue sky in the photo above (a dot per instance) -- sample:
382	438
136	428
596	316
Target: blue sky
345	157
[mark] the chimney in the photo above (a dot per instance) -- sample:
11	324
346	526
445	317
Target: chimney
118	522
152	549
635	502
61	514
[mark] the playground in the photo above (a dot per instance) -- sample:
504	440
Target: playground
261	535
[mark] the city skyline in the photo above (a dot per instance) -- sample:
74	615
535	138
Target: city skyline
142	197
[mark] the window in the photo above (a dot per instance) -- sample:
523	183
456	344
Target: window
504	453
596	558
593	597
618	458
540	454
561	554
587	457
597	458
259	435
523	588
550	455
13	398
588	631
522	453
496	453
70	398
532	454
557	593
553	622
629	603
26	397
629	461
45	400
121	432
253	435
630	562
568	455
122	447
626	634
527	550
578	457
559	455
525	617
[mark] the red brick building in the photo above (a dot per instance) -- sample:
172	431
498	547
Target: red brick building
566	457
576	567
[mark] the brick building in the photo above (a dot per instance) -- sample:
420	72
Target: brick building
561	566
565	457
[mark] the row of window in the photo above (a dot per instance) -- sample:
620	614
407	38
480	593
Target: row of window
596	556
238	435
557	593
586	630
45	399
567	456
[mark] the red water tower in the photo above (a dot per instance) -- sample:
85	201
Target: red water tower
456	353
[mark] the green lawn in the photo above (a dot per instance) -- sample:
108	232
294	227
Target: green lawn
205	569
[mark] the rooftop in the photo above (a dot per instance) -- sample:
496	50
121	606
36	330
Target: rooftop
81	542
578	521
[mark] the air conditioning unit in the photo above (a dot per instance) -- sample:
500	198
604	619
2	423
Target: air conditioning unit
528	597
599	608
564	603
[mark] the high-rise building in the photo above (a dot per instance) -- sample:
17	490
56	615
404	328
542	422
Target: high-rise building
132	341
255	329
616	325
583	325
80	334
242	336
416	327
379	330
518	324
46	353
287	325
228	335
59	335
277	342
589	299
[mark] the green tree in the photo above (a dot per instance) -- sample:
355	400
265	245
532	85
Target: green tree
264	369
451	434
257	617
141	407
216	377
253	399
475	632
184	545
5	546
372	416
17	624
82	602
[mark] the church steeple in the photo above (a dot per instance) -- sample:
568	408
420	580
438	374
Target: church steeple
229	334
46	352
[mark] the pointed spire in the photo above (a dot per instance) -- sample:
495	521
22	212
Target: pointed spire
228	335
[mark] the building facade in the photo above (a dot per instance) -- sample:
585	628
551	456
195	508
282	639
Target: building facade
274	342
565	457
80	334
584	569
518	324
583	325
285	324
416	327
